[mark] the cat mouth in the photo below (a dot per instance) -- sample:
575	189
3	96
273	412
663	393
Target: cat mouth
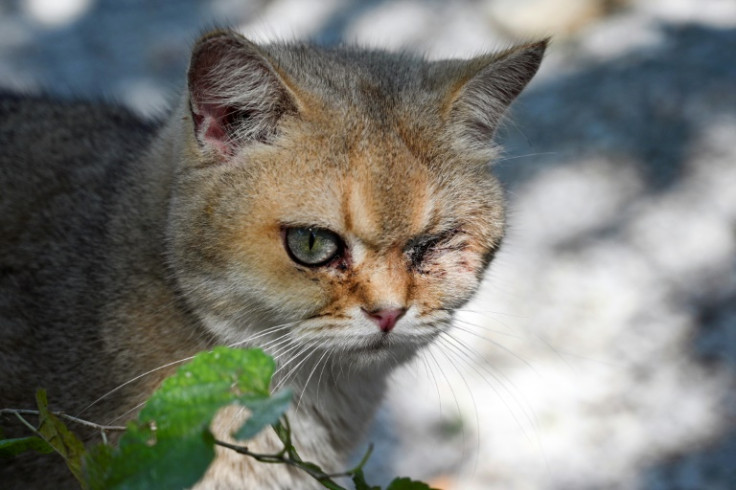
374	345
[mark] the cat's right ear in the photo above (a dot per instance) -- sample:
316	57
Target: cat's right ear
236	95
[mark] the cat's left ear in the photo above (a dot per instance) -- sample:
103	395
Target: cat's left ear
486	86
237	96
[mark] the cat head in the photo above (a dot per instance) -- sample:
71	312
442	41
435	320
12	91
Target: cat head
335	199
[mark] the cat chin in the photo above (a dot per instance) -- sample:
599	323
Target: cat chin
382	352
377	358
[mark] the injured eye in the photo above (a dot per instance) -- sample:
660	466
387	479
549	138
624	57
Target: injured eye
423	245
312	247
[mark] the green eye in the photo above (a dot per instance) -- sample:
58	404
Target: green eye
312	246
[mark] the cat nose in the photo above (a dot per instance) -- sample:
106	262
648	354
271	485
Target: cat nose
385	318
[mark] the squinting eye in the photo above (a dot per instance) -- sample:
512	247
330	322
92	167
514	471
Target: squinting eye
419	247
312	246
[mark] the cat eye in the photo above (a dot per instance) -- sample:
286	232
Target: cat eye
420	246
312	246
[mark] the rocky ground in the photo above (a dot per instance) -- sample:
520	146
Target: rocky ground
601	352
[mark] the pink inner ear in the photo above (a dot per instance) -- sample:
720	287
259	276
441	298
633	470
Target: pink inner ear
209	124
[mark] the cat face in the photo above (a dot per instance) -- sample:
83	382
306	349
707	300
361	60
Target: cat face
338	244
350	223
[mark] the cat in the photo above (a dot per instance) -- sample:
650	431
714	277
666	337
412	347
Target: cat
333	205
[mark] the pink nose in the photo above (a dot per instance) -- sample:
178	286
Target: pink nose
385	319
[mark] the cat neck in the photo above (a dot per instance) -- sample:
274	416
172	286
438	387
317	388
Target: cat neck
339	399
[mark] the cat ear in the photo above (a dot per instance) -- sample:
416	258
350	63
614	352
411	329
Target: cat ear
236	96
486	87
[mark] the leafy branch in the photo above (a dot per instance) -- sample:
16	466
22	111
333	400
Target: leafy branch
50	435
291	459
170	444
289	456
19	412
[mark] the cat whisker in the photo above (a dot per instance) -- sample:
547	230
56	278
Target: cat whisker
527	155
174	363
429	370
448	383
466	353
495	313
283	349
491	315
499	346
466	326
560	355
132	380
477	328
291	370
469	356
448	354
307	353
263	333
277	345
322	371
337	375
125	414
306	383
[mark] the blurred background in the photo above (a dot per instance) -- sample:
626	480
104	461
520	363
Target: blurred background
600	353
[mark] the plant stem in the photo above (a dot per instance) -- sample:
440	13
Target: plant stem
20	411
324	478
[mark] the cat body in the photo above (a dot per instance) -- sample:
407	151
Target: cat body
332	206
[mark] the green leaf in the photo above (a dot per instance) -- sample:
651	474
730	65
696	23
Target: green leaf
359	481
58	436
407	484
264	412
13	447
170	445
97	462
162	462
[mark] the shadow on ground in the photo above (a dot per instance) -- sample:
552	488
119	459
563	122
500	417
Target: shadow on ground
648	108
